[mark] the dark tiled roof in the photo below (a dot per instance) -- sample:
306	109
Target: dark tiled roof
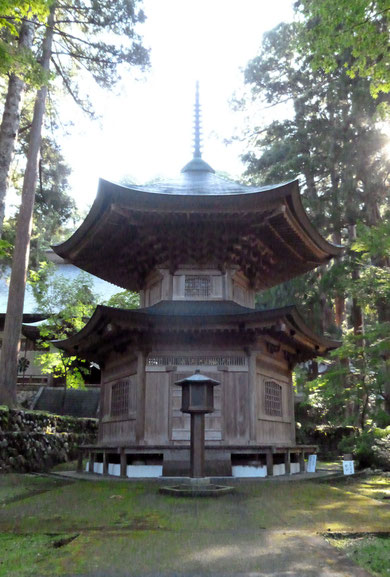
195	308
285	324
73	402
193	181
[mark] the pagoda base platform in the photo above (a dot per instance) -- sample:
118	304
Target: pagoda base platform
174	461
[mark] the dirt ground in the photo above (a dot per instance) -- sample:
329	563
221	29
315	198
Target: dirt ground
51	527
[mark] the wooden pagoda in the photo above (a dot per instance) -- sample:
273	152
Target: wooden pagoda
197	249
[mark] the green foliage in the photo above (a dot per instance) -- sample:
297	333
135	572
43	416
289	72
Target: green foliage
5	249
13	58
124	300
370	552
333	30
54	208
68	304
333	143
13	12
381	418
99	38
358	375
362	446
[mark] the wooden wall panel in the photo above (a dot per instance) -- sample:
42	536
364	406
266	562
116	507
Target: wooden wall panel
118	432
275	429
156	407
236	407
272	432
119	365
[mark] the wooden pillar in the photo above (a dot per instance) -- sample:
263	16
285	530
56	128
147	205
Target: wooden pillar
287	462
302	461
197	445
270	463
123	463
80	460
105	463
292	412
228	286
91	461
252	394
141	386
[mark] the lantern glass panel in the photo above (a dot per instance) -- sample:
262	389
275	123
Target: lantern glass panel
198	396
185	402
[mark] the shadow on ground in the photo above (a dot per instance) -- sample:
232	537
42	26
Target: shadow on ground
119	529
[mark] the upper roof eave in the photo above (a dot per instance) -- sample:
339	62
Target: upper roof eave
140	198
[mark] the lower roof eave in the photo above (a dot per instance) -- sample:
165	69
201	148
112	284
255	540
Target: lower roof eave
109	324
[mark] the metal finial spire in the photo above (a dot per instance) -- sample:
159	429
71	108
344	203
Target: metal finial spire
197	164
197	124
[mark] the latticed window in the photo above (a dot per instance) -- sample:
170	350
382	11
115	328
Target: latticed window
197	286
120	399
173	360
273	399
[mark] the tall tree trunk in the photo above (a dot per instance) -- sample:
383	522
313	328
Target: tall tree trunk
14	316
383	311
356	311
339	304
382	305
358	329
11	117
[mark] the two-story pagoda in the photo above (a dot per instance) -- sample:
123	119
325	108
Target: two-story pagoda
197	249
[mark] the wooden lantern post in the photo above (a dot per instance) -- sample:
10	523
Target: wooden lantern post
197	400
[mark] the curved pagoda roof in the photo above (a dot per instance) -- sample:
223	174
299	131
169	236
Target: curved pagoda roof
112	328
198	218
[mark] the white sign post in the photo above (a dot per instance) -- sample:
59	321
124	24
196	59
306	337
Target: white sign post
311	463
348	467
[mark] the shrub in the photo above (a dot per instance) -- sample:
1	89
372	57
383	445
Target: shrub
369	448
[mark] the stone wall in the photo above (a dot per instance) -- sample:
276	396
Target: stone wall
35	441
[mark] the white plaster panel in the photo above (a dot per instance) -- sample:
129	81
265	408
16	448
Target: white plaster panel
217	286
114	469
249	471
141	471
98	468
279	470
178	286
294	468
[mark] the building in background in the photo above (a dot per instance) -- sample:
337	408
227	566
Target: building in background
30	376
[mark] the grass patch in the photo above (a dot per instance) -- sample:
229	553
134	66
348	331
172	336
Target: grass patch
25	555
67	466
128	524
371	553
92	505
330	465
13	486
375	487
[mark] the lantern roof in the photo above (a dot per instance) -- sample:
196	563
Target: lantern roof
197	378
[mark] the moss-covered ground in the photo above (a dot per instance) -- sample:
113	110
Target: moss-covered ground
104	528
369	551
18	486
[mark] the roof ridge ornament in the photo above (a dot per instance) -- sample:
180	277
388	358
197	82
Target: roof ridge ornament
197	164
197	124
